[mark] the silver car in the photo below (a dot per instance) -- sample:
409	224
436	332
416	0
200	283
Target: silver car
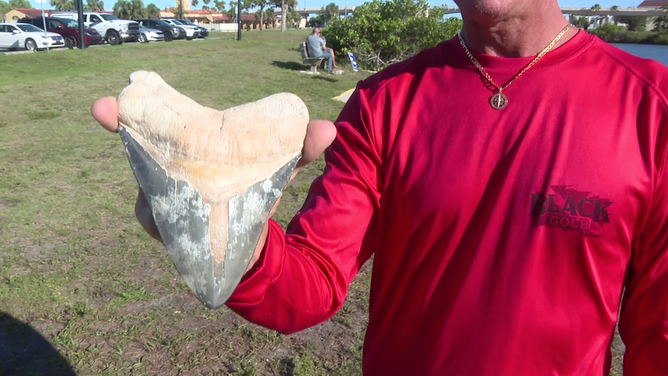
150	35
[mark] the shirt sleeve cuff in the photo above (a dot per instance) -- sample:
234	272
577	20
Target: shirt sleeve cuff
267	269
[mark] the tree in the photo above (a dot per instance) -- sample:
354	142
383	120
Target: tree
94	5
206	4
152	11
381	33
270	17
614	10
232	13
581	22
661	23
285	5
129	9
219	5
318	20
262	4
635	23
194	3
61	5
4	7
293	17
20	4
330	12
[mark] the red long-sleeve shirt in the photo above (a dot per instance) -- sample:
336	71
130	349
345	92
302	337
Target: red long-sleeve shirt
502	239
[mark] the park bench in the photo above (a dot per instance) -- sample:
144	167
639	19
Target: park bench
312	61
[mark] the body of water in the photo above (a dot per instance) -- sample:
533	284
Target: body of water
650	51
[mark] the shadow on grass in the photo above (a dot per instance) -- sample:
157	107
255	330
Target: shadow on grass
324	78
23	351
291	65
286	367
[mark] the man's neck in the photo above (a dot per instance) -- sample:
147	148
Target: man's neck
522	34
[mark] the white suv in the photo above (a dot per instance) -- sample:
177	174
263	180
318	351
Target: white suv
113	29
191	31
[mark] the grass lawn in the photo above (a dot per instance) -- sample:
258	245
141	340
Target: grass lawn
76	267
82	287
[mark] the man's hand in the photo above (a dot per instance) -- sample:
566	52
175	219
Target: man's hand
319	135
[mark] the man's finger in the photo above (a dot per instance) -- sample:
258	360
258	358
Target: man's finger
105	112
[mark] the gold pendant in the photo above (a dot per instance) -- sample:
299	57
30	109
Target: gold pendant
498	101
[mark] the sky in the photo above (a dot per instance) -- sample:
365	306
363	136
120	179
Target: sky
108	4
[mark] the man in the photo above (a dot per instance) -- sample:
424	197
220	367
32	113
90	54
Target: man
317	48
510	185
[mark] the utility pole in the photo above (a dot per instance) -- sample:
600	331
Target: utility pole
239	19
80	15
46	37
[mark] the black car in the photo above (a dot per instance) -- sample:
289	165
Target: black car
171	32
203	31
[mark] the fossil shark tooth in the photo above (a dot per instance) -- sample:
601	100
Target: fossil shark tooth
210	177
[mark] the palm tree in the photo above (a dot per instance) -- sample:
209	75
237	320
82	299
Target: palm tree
219	5
285	5
261	4
152	11
129	9
232	12
614	10
194	3
22	4
270	17
331	11
94	5
662	22
60	5
596	8
138	9
122	9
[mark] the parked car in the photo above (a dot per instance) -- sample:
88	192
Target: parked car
204	32
67	28
191	31
150	35
170	31
19	35
113	29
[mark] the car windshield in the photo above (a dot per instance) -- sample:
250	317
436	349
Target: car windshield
162	23
28	28
108	17
187	22
177	22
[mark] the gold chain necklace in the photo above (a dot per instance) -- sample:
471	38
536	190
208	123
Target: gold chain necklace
499	100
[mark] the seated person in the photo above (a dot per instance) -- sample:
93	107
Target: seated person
316	46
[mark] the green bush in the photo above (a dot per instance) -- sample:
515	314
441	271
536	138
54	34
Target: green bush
661	37
619	34
610	32
381	33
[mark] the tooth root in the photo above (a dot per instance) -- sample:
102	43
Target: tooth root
210	188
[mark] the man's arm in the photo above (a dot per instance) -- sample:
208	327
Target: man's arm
644	317
302	277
